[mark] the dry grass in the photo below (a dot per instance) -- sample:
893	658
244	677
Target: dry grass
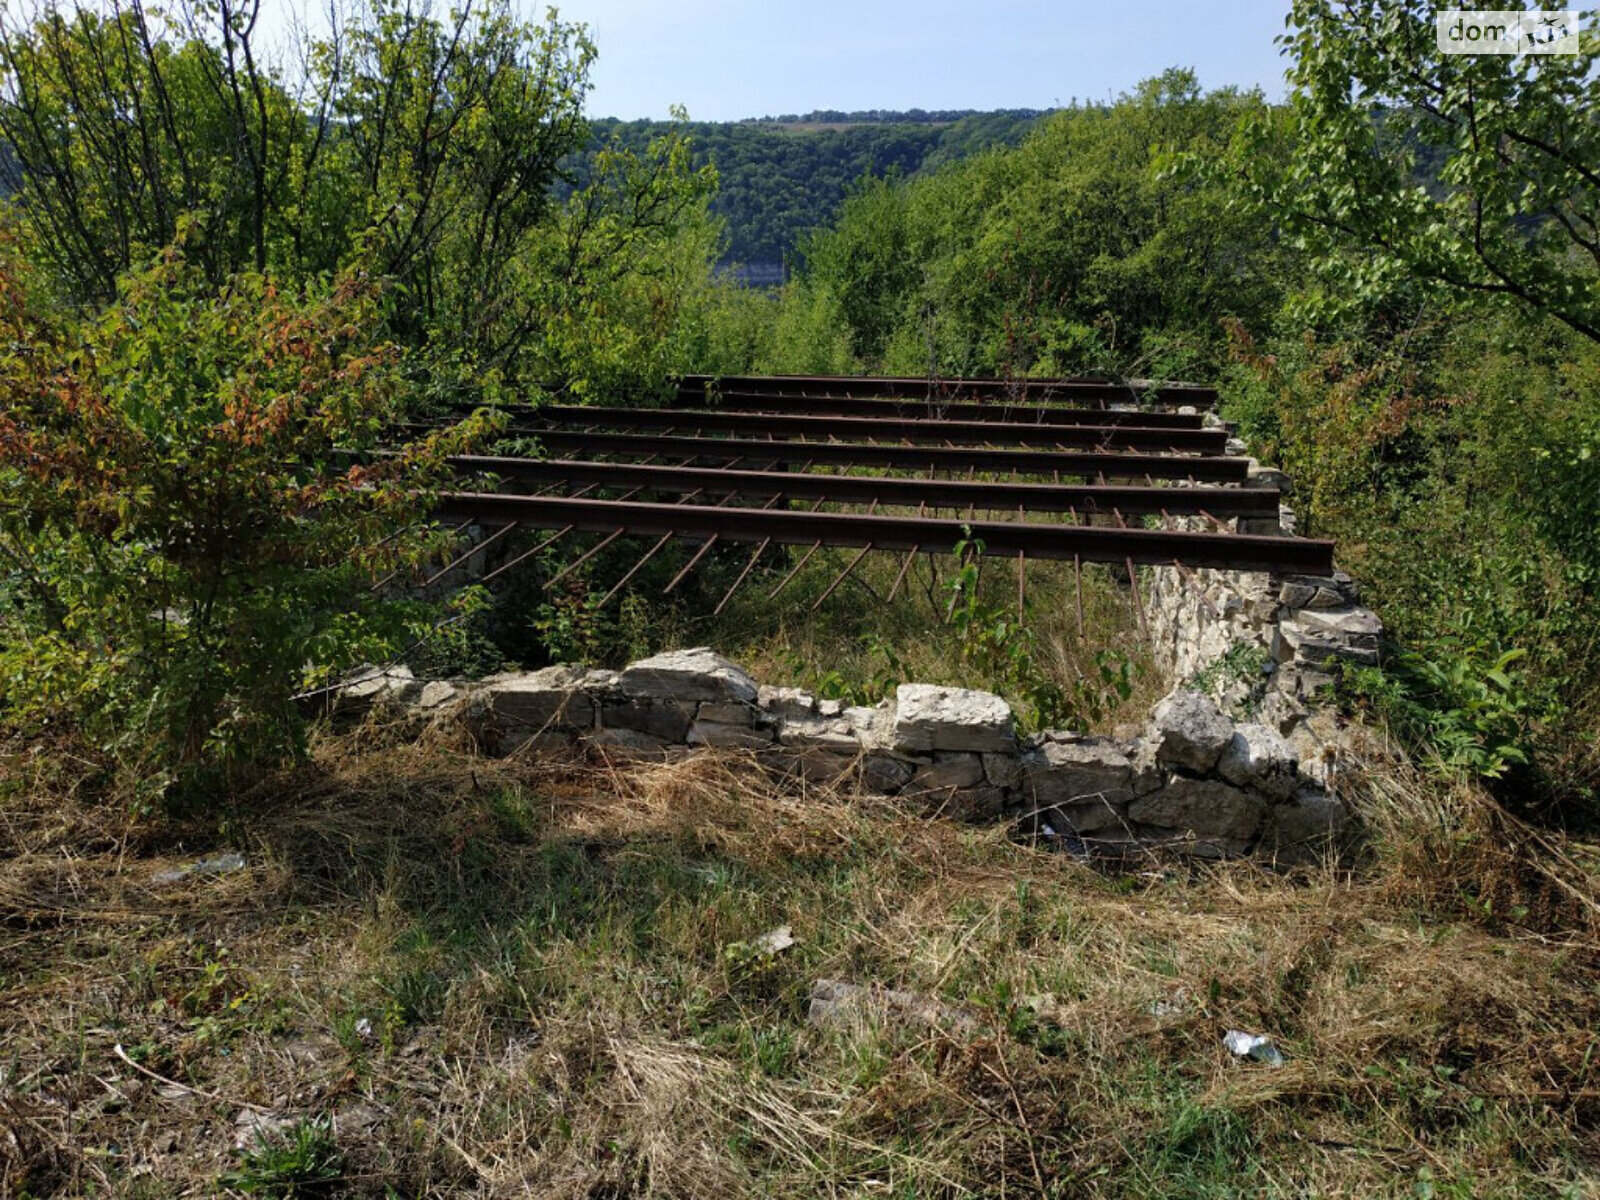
841	646
518	978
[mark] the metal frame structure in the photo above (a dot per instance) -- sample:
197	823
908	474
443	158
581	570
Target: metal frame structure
1082	392
815	461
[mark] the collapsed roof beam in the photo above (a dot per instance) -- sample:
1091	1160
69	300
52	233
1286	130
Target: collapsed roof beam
1076	390
1073	464
1144	547
914	429
892	491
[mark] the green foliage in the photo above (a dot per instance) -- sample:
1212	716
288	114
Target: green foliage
615	281
422	147
781	179
1078	250
1452	455
1473	172
183	549
1464	704
300	1161
999	645
888	673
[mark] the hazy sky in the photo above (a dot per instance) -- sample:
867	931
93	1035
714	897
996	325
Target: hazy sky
725	59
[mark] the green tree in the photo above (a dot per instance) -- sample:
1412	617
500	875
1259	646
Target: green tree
183	545
425	147
1477	173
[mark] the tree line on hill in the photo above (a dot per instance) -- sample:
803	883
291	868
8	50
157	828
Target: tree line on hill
777	184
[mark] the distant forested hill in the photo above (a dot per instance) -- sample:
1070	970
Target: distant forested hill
782	176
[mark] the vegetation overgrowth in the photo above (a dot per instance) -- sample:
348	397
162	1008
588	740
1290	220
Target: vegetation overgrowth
225	269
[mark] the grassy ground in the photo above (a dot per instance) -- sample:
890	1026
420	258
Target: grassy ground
459	977
1079	658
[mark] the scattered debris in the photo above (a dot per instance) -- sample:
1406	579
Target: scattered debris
847	1005
1174	1004
774	940
1255	1046
221	864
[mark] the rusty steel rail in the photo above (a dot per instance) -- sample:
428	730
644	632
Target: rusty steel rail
882	490
1077	390
908	409
1081	464
1142	547
999	411
889	429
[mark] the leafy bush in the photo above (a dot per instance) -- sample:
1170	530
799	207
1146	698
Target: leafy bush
183	547
1000	646
1469	709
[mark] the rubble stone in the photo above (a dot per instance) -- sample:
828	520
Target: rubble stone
1257	757
927	718
1189	731
787	703
686	675
1207	807
1063	773
538	700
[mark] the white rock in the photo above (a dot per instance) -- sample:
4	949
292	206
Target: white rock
956	771
1189	731
1258	757
928	717
1207	808
728	737
1062	773
790	703
835	734
522	704
697	674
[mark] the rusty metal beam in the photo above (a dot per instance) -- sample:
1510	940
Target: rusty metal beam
866	489
997	411
1082	463
862	429
1077	390
1149	547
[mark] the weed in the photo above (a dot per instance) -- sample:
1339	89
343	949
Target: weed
1463	706
300	1161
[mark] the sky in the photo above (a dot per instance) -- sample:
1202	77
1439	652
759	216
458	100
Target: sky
727	59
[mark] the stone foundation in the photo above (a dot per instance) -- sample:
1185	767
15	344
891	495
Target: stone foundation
1191	779
1242	758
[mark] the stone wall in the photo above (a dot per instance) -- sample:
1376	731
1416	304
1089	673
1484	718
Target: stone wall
1191	778
1264	646
1241	758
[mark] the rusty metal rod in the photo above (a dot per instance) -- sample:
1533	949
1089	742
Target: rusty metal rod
864	489
1083	463
1077	572
1001	412
582	558
469	554
843	575
1076	437
636	568
795	570
549	541
1148	547
904	567
1078	389
689	566
760	546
